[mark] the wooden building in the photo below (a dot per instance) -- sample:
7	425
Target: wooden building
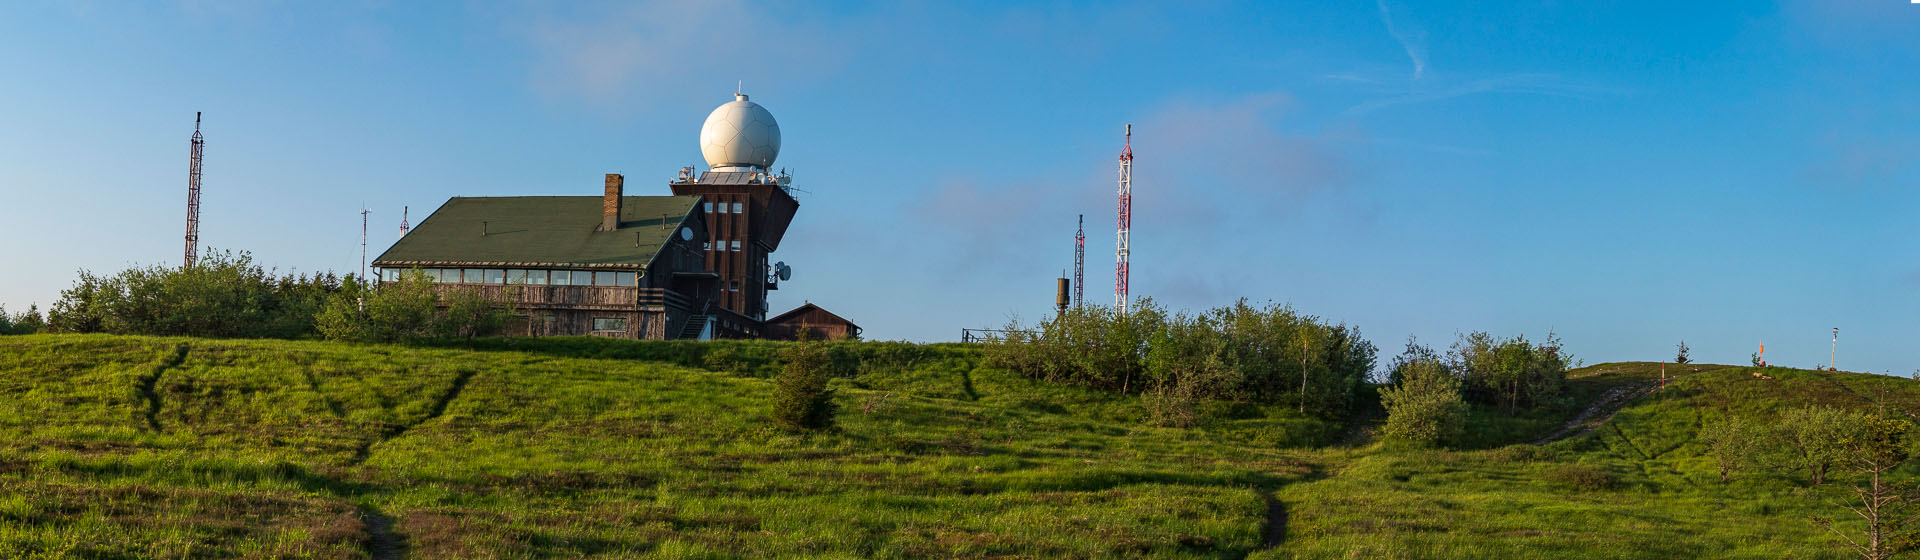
818	323
690	265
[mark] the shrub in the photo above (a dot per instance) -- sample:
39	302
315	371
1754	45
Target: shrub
1512	374
1732	443
1424	406
1811	438
1241	352
1585	478
27	322
410	309
1681	356
801	399
221	295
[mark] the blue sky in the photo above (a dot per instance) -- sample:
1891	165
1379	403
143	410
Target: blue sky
1626	174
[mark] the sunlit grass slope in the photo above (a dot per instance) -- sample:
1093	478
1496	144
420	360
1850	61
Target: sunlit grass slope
1658	494
132	447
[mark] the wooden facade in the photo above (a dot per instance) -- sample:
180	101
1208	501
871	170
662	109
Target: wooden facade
818	323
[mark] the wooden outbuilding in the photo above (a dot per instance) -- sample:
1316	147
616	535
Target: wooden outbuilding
819	323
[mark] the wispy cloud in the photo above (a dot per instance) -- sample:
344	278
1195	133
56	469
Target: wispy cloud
1533	84
1411	37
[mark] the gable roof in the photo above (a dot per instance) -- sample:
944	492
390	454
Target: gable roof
540	231
803	309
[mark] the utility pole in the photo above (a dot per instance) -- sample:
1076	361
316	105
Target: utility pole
195	146
363	244
1835	351
1079	260
1123	250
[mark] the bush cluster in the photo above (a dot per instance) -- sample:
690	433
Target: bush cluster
1424	405
411	309
1813	440
25	322
222	295
1512	374
1269	354
801	399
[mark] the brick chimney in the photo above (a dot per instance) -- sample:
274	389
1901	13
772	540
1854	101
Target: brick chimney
610	206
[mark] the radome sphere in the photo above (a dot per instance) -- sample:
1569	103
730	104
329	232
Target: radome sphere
740	133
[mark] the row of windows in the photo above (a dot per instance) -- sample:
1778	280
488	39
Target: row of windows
709	245
736	207
520	276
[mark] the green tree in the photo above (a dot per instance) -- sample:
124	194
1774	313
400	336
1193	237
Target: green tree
1732	443
1681	357
1424	404
1877	447
801	399
1811	438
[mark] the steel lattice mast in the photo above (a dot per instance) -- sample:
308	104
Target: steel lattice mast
363	244
1121	249
1080	261
198	144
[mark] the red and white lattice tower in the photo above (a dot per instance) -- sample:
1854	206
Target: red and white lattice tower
1121	248
1080	261
193	192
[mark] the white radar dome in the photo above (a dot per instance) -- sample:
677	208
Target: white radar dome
740	134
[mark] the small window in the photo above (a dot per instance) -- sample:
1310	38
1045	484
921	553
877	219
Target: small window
733	286
536	277
471	276
603	278
736	244
736	208
516	276
709	208
580	278
602	324
723	208
623	278
560	277
706	245
496	276
389	275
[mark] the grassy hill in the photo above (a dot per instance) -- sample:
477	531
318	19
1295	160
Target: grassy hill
137	447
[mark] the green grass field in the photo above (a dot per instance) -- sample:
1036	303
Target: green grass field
137	447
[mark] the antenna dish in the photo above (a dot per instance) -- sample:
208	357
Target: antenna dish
782	271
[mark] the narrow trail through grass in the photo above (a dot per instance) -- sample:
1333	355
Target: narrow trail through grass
152	379
439	408
382	542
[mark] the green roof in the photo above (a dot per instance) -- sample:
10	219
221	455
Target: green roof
540	231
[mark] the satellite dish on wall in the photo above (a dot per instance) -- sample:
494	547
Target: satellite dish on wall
686	234
782	271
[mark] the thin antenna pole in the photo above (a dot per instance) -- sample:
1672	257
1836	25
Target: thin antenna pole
1835	351
1080	261
1122	252
403	221
363	243
194	152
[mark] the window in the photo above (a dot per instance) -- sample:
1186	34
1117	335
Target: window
706	245
516	276
736	244
580	278
603	278
601	324
496	276
471	276
709	208
623	278
733	286
389	274
536	277
736	208
560	277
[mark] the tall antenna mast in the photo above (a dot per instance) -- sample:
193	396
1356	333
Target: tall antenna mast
1080	261
1122	249
363	243
403	221
198	144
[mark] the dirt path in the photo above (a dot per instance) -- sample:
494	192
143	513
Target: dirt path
1276	521
1600	411
150	382
382	542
